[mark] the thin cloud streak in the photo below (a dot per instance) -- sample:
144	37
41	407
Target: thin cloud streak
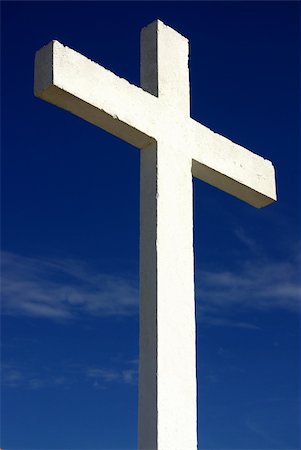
101	377
24	377
260	431
63	289
260	285
66	289
247	240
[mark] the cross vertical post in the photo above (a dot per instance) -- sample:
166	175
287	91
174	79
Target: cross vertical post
167	364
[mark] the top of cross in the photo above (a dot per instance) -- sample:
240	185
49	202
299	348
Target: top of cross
159	111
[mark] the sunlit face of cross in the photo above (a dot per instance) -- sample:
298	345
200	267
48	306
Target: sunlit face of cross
156	119
73	82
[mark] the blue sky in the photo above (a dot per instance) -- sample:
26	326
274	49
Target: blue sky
70	233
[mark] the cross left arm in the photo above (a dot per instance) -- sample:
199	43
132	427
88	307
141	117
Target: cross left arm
73	82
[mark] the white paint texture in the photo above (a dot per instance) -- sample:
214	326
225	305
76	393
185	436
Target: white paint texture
156	119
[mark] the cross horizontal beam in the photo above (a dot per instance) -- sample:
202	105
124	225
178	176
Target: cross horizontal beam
73	82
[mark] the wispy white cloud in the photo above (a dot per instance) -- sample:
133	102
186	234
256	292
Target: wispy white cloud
101	376
248	241
26	377
63	289
105	375
211	319
257	285
130	376
14	376
11	376
260	431
67	289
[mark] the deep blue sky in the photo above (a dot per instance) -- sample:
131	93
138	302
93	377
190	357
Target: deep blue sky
70	233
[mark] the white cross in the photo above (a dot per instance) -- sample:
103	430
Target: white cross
174	147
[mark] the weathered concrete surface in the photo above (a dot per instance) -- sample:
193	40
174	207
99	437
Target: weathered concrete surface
167	323
167	307
79	85
75	83
156	119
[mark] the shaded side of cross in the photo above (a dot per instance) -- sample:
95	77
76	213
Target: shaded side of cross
174	147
